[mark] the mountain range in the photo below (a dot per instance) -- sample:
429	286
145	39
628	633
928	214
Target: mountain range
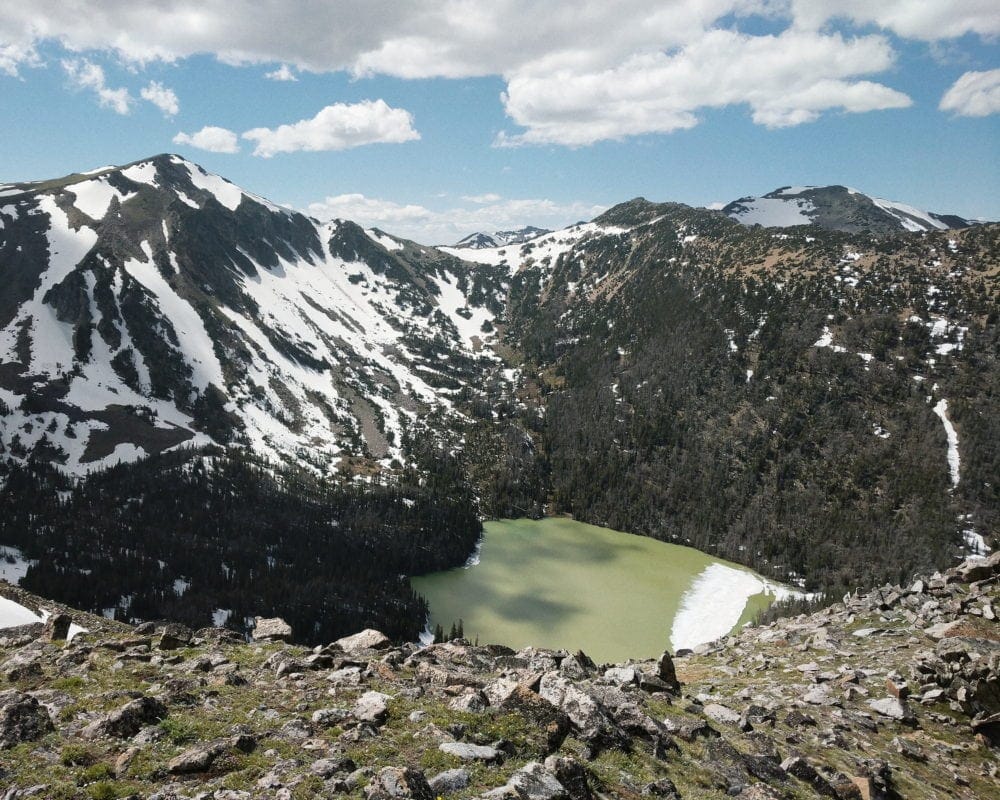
480	240
816	401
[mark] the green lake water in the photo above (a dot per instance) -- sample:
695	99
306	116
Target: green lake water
563	584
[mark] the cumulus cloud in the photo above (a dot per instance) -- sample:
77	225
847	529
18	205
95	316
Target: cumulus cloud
282	73
975	94
210	138
911	19
161	97
447	226
85	74
788	79
657	46
337	127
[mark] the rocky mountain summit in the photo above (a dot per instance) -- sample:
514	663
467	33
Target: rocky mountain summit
481	240
837	208
890	694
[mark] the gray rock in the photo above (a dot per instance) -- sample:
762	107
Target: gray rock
328	767
57	627
583	710
622	676
471	752
174	635
128	720
196	759
534	782
328	717
891	707
472	701
22	719
271	629
821	695
368	639
572	775
451	780
396	782
372	707
721	714
943	630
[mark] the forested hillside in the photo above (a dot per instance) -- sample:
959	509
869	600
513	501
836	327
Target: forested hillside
767	396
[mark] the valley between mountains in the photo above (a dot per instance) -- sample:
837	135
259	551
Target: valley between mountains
210	403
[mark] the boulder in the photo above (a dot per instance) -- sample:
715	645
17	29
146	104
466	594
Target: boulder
371	707
533	782
127	721
368	639
22	719
174	635
541	714
451	780
891	707
666	672
271	629
328	767
572	775
721	714
398	782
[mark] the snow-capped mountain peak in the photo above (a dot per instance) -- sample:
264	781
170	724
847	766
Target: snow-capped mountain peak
836	208
480	240
158	305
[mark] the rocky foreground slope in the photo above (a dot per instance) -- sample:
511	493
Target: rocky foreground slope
895	693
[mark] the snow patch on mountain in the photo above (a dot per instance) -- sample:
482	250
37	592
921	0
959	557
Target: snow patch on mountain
954	462
226	193
94	197
773	212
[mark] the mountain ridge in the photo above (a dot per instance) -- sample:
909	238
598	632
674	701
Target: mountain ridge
813	403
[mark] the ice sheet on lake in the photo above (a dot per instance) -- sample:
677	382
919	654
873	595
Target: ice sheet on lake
715	602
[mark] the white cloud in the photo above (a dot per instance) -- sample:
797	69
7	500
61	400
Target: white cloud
489	197
282	73
14	55
210	138
786	80
161	97
912	19
975	94
447	226
87	75
337	127
652	45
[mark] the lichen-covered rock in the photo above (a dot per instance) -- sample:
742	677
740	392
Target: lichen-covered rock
371	707
126	721
451	780
22	719
395	782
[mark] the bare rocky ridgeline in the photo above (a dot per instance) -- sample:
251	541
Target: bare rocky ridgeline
895	693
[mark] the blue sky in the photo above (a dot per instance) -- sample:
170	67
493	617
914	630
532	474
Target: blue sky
435	119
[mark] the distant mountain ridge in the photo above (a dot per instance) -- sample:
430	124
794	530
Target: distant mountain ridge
837	208
481	241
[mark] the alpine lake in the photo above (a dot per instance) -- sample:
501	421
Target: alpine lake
558	583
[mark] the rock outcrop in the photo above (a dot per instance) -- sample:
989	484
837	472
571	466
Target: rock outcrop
890	694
